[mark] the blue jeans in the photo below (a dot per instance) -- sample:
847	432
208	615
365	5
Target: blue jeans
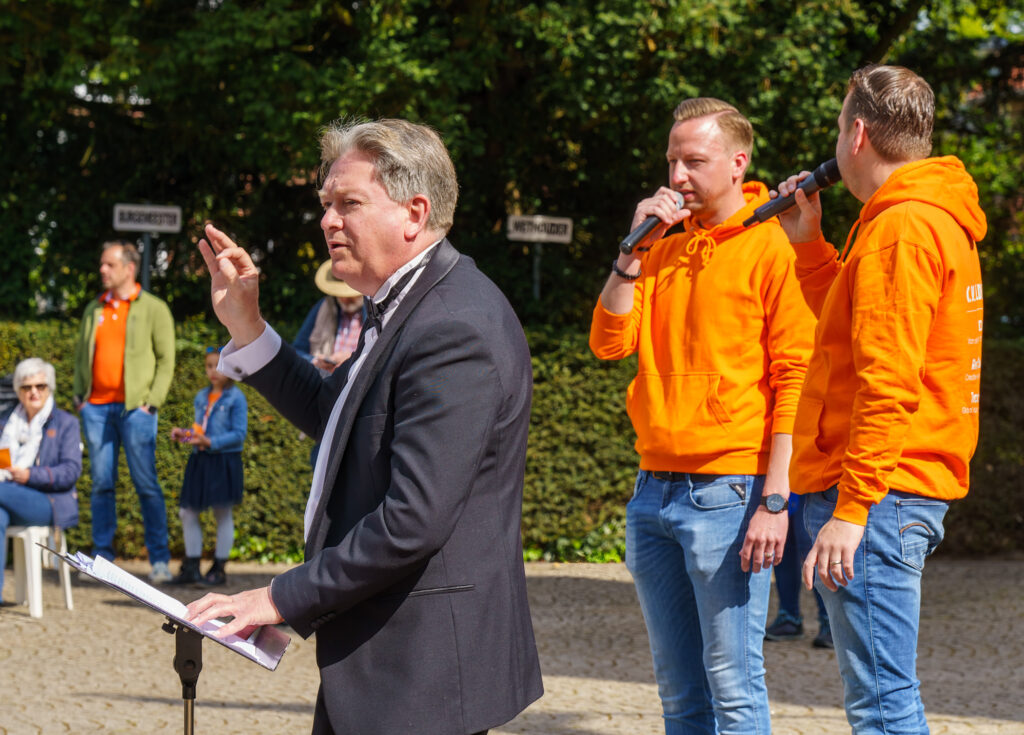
108	426
705	617
788	571
875	617
20	506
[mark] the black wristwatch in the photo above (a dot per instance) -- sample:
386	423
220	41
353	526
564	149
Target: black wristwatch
774	502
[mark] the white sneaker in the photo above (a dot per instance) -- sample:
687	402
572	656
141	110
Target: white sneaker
161	573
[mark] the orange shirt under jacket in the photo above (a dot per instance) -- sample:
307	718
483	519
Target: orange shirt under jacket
891	397
108	359
723	336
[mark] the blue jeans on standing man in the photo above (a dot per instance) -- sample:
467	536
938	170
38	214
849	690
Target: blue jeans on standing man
705	616
107	426
875	617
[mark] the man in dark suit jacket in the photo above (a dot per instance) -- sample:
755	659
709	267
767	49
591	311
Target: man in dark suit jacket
413	580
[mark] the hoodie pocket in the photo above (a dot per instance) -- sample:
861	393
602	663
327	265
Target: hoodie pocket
684	411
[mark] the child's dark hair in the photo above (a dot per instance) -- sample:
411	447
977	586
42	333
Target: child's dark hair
216	351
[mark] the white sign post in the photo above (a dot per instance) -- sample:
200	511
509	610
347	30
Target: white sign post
538	230
146	218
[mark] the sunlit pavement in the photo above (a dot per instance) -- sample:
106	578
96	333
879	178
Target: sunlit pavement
107	667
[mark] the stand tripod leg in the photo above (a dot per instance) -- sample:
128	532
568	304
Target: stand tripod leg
188	662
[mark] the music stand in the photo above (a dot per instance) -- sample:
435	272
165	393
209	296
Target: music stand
265	646
188	662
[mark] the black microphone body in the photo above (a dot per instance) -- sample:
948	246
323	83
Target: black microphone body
645	228
821	178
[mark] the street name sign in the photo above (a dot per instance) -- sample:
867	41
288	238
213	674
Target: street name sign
537	228
146	218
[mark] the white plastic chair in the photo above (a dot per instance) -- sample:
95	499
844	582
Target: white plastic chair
29	560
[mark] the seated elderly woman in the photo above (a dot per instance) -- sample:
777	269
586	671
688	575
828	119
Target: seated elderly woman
41	456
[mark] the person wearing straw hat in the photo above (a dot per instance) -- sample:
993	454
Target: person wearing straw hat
330	332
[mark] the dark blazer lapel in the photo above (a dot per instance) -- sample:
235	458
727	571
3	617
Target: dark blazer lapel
441	263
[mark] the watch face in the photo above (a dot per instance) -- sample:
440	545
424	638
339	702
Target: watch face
775	503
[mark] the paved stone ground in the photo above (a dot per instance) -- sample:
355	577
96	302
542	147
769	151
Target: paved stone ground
105	667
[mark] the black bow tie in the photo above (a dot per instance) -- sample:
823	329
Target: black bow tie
374	314
375	310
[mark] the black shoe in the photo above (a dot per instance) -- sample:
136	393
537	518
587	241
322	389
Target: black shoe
785	628
189	572
215	576
824	637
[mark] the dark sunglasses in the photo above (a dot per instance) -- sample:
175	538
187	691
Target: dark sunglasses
41	387
213	349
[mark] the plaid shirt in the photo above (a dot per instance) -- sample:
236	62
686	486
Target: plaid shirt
349	327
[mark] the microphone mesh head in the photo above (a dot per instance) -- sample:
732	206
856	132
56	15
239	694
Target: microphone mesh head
827	173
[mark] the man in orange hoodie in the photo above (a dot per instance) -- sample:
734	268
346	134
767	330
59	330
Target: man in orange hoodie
888	418
723	337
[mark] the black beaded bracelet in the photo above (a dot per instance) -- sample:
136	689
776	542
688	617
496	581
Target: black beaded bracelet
621	273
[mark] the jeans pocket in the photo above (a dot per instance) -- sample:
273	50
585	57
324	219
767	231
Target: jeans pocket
727	491
920	528
139	417
641	479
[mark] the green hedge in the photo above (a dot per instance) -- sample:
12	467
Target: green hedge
991	519
580	465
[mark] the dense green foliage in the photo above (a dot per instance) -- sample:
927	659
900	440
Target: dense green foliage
580	463
549	108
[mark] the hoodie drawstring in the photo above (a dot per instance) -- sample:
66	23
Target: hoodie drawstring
703	242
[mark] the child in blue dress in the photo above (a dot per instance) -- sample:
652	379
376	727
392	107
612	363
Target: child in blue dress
213	476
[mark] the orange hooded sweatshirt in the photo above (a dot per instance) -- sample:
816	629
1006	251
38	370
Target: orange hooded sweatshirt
723	336
891	396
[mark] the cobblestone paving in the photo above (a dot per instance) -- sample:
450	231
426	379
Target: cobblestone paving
106	666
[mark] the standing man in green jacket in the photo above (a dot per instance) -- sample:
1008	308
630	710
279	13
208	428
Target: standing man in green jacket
124	360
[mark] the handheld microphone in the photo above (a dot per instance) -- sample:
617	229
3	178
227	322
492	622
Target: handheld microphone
821	178
646	227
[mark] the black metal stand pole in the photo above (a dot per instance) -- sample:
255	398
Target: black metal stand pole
188	662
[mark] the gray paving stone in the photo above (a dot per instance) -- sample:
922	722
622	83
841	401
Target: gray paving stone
106	667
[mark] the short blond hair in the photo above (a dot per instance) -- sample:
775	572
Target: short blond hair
736	129
898	110
408	159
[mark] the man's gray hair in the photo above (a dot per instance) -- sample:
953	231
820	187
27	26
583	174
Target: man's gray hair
31	367
408	159
129	253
